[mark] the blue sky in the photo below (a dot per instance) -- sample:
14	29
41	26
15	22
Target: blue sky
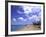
21	15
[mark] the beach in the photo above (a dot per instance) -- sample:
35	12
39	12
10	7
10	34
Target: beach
25	27
30	27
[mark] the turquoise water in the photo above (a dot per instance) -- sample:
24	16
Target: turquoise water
16	27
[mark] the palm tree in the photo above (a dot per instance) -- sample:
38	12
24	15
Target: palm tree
38	23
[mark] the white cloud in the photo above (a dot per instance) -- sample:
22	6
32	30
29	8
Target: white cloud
27	9
36	9
25	20
21	18
20	12
14	19
31	9
30	18
35	18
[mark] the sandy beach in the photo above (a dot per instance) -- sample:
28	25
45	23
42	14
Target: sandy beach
30	27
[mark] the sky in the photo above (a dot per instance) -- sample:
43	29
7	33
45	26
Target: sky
22	15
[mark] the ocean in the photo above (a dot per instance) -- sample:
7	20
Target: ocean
17	27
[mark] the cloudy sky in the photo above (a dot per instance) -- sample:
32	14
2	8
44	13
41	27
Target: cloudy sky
22	15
